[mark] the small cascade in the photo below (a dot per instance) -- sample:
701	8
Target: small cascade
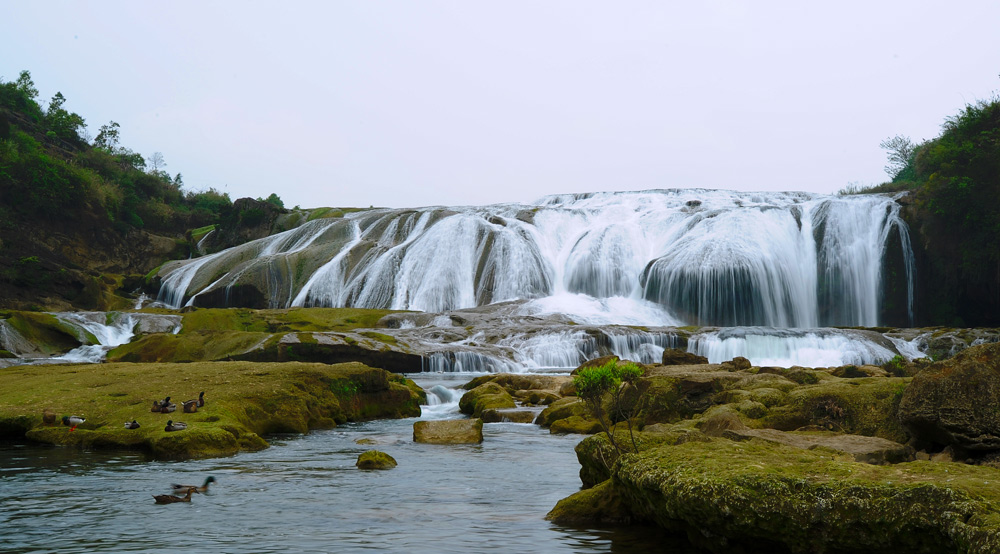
794	347
108	329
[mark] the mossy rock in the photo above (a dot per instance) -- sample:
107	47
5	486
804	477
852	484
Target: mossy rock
762	495
597	505
489	395
867	406
576	424
562	409
374	459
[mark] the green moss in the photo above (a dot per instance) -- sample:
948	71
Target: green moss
374	459
812	501
244	401
486	396
46	332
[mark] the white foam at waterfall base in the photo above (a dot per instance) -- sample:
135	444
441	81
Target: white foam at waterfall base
442	403
787	348
588	310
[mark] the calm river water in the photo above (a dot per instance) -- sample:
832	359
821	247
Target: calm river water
305	495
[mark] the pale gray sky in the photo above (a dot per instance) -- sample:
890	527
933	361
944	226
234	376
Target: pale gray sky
413	103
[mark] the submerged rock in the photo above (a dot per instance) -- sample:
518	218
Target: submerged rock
374	459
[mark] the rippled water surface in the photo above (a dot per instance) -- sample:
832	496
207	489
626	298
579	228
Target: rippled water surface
306	495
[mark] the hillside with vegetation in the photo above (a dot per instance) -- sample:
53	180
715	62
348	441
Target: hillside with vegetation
954	215
82	220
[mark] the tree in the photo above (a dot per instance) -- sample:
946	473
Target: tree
155	162
595	384
63	123
107	137
900	151
26	86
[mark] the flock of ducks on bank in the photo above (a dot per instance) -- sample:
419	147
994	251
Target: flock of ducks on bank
164	406
186	490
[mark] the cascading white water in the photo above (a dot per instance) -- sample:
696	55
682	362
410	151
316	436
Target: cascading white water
677	256
791	347
109	329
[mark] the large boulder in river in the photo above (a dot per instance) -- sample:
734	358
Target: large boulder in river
484	397
449	431
954	402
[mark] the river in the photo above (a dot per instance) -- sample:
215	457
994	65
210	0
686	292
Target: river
304	494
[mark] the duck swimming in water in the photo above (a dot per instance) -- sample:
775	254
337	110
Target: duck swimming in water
170	499
181	489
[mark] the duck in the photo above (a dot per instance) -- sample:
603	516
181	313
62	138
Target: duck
190	406
201	399
175	426
170	499
162	407
132	424
181	489
72	421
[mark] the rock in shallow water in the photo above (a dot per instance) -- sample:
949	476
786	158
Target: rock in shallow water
374	459
449	431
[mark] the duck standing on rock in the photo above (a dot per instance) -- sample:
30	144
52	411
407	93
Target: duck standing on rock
181	489
170	499
72	421
132	424
175	426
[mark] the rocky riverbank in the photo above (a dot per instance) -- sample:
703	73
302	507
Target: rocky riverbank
751	459
243	402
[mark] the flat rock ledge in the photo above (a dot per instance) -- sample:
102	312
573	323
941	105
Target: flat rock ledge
449	431
866	450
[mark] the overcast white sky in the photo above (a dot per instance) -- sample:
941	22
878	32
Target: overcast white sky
414	103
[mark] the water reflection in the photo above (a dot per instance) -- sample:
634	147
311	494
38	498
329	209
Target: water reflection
305	495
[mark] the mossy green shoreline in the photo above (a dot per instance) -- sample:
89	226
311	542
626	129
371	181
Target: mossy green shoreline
244	402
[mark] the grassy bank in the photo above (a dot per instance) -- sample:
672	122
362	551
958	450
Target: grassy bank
244	401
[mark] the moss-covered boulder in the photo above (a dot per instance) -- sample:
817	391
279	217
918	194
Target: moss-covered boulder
449	431
866	406
954	402
487	396
561	409
765	496
374	459
244	402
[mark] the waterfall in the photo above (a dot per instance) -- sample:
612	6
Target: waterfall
660	257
